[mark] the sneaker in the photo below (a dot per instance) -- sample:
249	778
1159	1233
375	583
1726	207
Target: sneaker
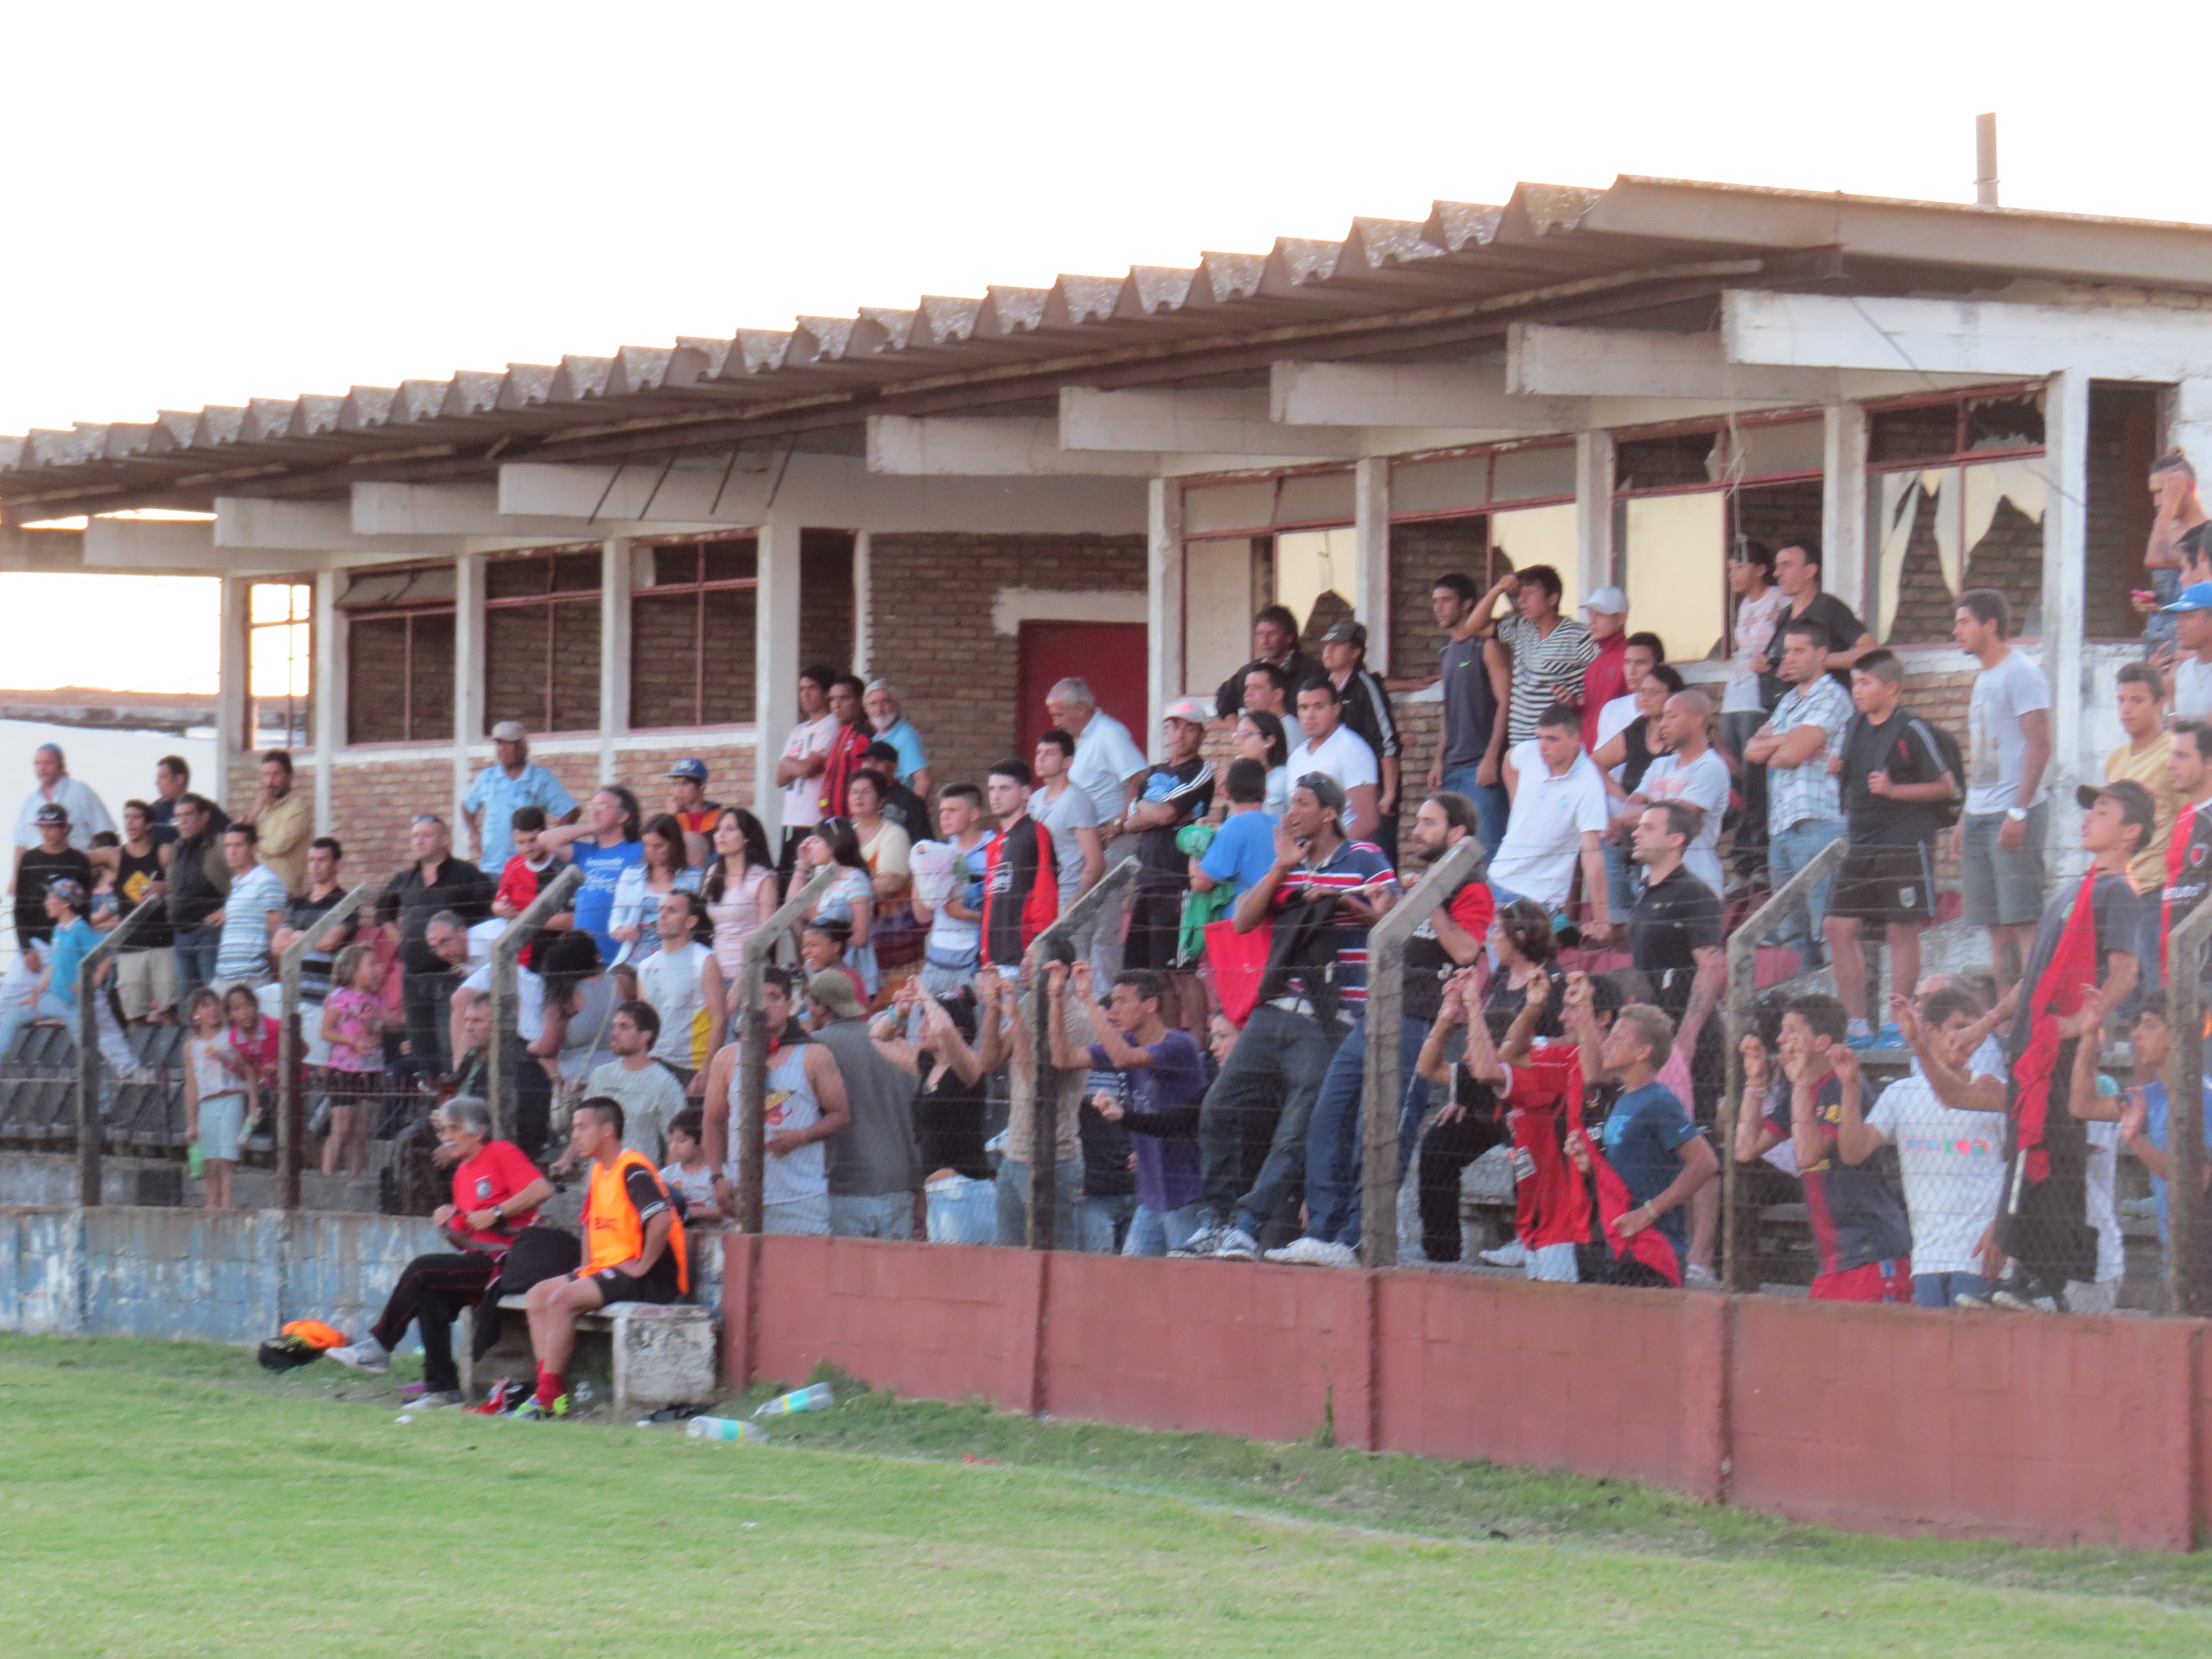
1694	1274
1315	1253
1888	1038
442	1397
1971	1302
1237	1245
2012	1303
1510	1253
366	1355
505	1395
534	1410
1204	1241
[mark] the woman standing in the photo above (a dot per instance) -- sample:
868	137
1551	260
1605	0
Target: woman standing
663	870
1260	737
741	891
851	898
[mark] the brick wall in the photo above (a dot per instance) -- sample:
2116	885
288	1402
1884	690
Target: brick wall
933	638
1420	553
825	599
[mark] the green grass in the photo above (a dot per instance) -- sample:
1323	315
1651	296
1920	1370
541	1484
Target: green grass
162	1499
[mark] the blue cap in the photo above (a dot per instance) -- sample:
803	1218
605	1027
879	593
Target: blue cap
697	770
2197	596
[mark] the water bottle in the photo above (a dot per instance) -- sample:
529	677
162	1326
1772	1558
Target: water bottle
817	1397
722	1428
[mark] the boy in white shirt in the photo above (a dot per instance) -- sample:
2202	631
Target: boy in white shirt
1335	749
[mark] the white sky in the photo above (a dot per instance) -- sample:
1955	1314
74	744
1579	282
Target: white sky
223	201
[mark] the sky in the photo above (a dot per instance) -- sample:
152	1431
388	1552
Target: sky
226	201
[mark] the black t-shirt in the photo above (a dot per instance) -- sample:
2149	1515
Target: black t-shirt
1470	702
1635	743
948	1119
2126	921
38	868
301	915
1673	921
1298	668
1900	746
1188	788
412	902
1844	629
643	1191
907	809
133	876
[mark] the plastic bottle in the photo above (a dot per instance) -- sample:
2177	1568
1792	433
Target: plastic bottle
817	1397
723	1428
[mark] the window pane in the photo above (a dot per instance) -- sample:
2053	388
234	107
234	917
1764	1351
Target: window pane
1686	458
376	681
516	579
1216	601
2004	423
1229	507
1445	486
726	664
515	666
1523	475
1929	431
1792	446
1318	576
1312	495
1674	551
372	588
734	561
575	666
1539	535
430	674
663	646
673	566
577	572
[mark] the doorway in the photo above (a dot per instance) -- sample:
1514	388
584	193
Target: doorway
1111	656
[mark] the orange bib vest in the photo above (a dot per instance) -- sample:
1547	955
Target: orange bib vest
613	1233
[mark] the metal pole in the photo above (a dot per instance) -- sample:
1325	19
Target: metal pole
290	1120
90	1131
506	1010
752	1049
1742	993
2187	1290
1383	1088
1056	943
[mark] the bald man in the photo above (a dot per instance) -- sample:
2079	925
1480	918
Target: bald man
1690	769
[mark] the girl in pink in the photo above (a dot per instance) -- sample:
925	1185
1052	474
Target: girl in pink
353	1025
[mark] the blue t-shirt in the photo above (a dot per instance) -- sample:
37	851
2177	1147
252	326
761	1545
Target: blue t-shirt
1243	851
603	868
1168	1172
74	942
1641	1134
496	796
903	738
2155	1131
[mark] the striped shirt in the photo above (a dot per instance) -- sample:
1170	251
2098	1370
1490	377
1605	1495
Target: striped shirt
1548	668
1354	864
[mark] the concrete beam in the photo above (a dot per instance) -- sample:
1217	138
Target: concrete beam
1964	337
1228	422
249	521
1472	395
414	510
961	446
1637	362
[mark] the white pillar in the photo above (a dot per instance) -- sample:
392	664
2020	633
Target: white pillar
1164	619
2065	598
468	680
614	650
864	625
776	665
232	689
327	665
1593	511
1842	506
1370	530
2189	424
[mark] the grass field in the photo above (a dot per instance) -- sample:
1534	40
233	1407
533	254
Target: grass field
161	1499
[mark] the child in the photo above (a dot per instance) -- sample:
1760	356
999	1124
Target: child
252	1033
687	1172
353	1025
219	1092
822	948
533	864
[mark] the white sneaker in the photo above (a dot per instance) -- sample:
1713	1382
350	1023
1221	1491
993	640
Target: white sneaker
2012	1304
1510	1253
1237	1245
444	1397
1694	1274
366	1355
1315	1253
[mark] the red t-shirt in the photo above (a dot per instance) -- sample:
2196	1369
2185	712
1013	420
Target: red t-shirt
518	885
1543	1095
1603	681
492	1177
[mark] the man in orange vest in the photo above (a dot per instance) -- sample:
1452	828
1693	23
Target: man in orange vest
633	1250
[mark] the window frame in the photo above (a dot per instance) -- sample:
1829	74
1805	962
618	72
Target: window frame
447	607
698	588
549	600
300	728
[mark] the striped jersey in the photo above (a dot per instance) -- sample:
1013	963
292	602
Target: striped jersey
1354	864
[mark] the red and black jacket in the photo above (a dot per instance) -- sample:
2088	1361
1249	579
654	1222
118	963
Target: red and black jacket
1021	891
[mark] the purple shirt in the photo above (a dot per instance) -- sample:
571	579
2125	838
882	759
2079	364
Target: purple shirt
1163	1119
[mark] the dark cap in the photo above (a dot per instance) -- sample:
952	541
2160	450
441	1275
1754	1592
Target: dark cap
2135	804
53	812
1346	632
694	769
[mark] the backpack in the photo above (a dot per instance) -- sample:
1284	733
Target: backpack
1303	954
1945	747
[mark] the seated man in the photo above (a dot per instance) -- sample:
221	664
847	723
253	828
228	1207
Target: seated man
496	1192
633	1250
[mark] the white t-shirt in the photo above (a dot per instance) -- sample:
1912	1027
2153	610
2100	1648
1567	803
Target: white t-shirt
1344	754
529	998
1952	1161
953	943
1105	757
1703	782
669	980
1544	836
2192	690
1997	748
651	1098
802	797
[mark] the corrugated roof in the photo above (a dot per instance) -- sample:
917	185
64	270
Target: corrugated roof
697	391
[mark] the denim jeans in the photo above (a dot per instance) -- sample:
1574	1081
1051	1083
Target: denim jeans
1937	1290
2158	627
1104	1216
1333	1148
1066	1203
196	948
1790	851
1155	1232
876	1215
1492	806
1273	1075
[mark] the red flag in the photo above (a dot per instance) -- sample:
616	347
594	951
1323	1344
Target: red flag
2073	968
1551	1203
2177	849
1651	1247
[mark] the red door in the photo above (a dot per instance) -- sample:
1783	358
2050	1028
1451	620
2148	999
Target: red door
1110	656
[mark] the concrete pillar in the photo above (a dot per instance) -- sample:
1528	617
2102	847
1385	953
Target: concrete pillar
776	665
863	623
327	661
1164	619
233	688
1370	530
1593	511
2065	599
468	680
1843	506
2189	423
614	650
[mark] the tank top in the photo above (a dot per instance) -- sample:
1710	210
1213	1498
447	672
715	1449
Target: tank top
212	1077
133	876
736	917
790	1104
669	980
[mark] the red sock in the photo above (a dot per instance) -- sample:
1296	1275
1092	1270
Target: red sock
551	1385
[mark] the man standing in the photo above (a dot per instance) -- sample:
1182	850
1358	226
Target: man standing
250	913
55	787
1068	817
1605	614
1332	747
1804	805
198	880
511	779
1477	681
434	880
688	805
1366	714
1274	1073
1177	791
1021	889
1756	628
1549	653
2007	815
319	895
1797	573
1559	818
1691	770
1892	776
890	725
683	981
49	859
1275	643
2192	645
145	965
804	1107
2147	757
2188	874
846	744
1267	690
954	946
172	775
874	1162
649	1094
605	846
283	820
806	756
1108	767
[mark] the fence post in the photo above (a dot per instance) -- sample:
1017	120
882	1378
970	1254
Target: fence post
1383	1087
1046	947
2187	1290
752	1046
91	1132
505	1011
291	1125
1742	995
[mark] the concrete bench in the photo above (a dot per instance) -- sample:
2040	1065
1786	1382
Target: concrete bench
647	1356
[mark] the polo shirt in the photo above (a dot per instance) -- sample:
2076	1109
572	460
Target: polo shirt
496	796
1354	864
1106	757
1544	836
902	736
1673	921
1843	626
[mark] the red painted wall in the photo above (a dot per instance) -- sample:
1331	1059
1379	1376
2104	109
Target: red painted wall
1881	1420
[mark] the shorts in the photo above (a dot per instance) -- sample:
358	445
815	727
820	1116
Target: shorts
1887	1281
1155	930
221	1119
617	1286
2001	889
352	1088
146	981
1893	886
